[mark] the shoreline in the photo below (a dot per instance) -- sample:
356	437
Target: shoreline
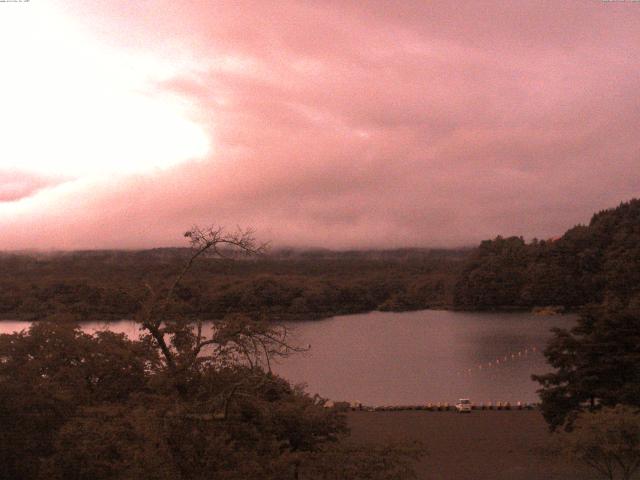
110	318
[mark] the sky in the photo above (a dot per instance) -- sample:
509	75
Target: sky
335	124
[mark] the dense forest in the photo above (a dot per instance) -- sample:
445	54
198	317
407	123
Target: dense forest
284	284
595	364
588	264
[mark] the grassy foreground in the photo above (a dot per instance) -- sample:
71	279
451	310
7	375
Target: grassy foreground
496	445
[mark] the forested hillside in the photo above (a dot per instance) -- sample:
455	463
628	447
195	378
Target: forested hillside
106	285
588	264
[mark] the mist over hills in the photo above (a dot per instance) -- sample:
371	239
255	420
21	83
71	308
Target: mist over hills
588	264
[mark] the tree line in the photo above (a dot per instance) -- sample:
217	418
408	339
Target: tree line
589	264
281	285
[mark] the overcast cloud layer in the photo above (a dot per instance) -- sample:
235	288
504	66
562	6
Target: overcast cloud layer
364	124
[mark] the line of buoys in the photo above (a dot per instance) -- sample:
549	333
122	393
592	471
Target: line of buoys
442	408
431	407
499	361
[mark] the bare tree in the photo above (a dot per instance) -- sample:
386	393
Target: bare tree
189	344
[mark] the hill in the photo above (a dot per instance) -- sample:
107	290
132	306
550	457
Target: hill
588	264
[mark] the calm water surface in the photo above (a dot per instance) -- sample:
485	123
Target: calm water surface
383	358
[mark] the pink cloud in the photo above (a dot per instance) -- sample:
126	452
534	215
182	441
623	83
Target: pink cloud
373	124
16	185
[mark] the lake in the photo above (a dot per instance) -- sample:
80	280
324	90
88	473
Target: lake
386	358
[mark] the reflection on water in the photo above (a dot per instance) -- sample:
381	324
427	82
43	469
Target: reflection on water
412	357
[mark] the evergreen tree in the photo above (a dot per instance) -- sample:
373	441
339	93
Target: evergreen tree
597	363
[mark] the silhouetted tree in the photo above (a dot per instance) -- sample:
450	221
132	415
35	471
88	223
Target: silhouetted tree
597	363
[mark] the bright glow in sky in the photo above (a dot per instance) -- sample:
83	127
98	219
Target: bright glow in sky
74	108
344	124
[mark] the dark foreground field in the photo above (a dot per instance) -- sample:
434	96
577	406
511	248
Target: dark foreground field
494	445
